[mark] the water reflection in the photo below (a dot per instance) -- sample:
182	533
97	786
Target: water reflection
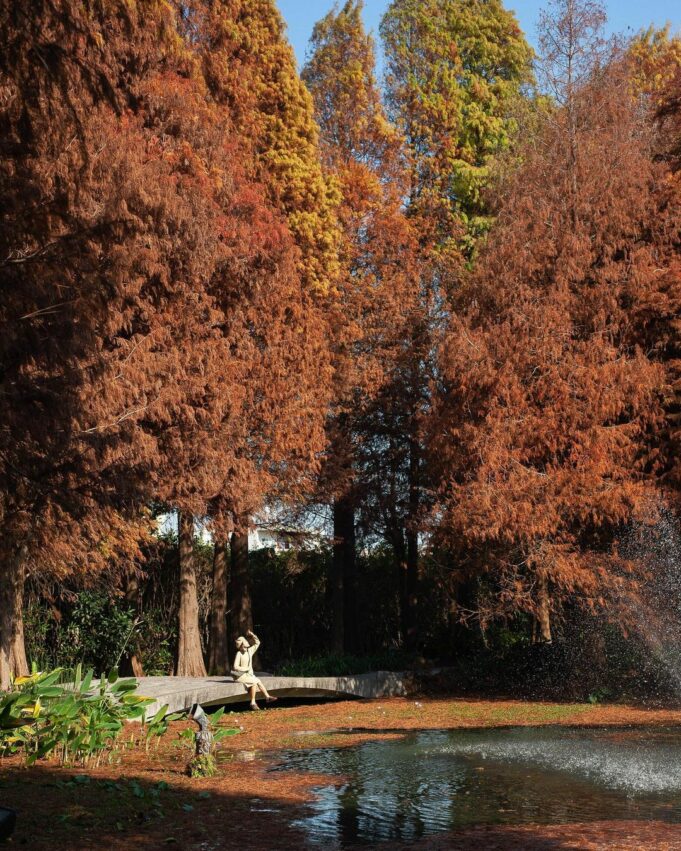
437	781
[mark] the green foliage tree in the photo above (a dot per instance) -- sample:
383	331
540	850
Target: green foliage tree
454	69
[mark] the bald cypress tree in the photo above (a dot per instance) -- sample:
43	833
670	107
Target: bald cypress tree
453	70
251	74
548	397
63	91
152	290
369	312
250	66
658	305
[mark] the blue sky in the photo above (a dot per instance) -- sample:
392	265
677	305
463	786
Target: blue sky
625	15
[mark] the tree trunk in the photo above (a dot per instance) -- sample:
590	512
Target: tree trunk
462	638
412	566
218	647
400	552
543	612
411	590
351	636
189	654
131	663
13	662
343	578
241	618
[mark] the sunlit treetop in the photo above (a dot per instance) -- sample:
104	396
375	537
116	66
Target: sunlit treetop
340	74
454	67
250	65
656	54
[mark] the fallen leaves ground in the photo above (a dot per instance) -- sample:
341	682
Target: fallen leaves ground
144	800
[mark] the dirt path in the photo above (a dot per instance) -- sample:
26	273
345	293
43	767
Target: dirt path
144	801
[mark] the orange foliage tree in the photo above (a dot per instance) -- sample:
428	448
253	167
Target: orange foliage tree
370	305
250	72
547	397
76	248
153	292
658	307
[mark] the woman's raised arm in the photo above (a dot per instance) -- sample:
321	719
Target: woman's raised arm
256	642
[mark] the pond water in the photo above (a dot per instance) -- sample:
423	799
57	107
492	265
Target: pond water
435	781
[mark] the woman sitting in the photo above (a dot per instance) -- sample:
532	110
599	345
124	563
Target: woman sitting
242	670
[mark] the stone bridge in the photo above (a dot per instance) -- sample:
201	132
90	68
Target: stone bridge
181	693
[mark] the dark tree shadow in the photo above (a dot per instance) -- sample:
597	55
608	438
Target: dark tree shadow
61	808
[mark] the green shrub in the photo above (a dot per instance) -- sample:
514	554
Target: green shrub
98	630
155	642
92	631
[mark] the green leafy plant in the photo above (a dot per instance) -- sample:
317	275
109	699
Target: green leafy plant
599	695
157	725
185	739
93	630
202	765
73	717
221	732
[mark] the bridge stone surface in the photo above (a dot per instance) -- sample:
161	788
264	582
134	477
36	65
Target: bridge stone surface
180	693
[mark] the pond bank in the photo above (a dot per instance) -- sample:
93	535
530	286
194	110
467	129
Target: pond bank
144	801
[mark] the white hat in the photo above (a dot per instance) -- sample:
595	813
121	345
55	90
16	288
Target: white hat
241	641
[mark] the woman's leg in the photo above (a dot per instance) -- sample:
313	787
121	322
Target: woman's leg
252	691
268	696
